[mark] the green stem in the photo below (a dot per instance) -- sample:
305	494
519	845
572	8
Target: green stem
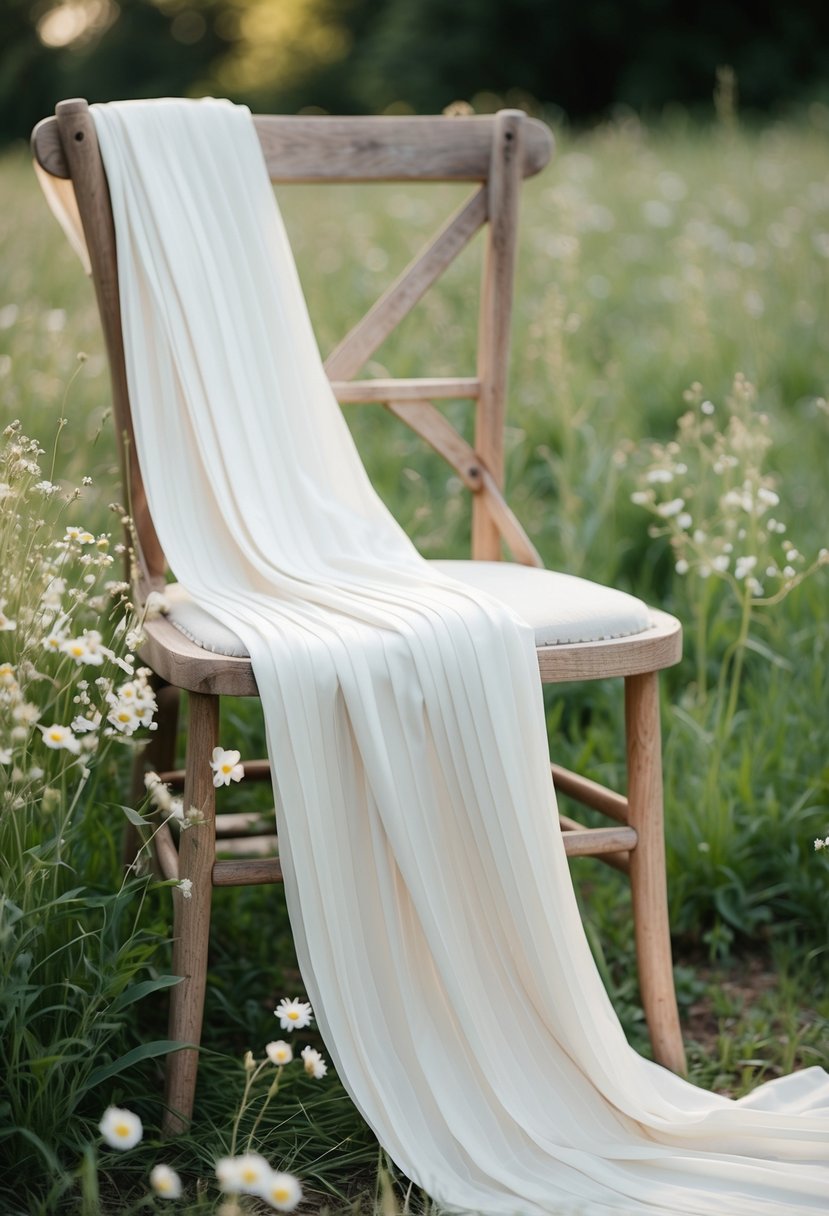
272	1092
251	1077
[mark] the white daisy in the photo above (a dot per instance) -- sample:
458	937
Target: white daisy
314	1064
120	1128
279	1052
282	1192
57	736
293	1015
165	1182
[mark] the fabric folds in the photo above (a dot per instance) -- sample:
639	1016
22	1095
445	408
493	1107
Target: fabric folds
429	894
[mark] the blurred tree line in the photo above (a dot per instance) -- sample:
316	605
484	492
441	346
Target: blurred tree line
356	56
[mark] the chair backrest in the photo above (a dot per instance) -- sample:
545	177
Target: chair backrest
496	152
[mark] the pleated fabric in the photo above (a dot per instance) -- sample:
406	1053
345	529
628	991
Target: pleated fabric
429	895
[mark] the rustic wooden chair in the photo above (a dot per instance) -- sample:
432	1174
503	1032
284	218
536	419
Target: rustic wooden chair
494	153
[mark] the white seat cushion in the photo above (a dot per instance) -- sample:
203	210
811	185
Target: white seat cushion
559	607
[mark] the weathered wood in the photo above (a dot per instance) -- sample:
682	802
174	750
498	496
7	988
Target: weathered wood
247	873
249	846
80	145
495	314
506	522
166	851
400	298
238	824
590	793
580	841
191	913
654	649
357	392
319	148
647	870
439	433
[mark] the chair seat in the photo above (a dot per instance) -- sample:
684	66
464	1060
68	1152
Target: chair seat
560	608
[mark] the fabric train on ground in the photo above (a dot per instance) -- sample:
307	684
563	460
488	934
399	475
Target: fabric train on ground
429	893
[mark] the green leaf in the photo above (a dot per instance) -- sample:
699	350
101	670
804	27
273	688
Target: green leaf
135	819
146	1051
138	991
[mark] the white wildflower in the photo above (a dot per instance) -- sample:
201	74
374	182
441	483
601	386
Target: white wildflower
659	475
668	509
744	566
165	1182
6	625
226	767
282	1192
185	885
293	1014
279	1052
120	1128
57	737
313	1063
681	566
5	755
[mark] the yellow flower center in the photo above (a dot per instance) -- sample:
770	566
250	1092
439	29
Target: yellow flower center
162	1185
124	715
56	735
249	1174
293	1015
280	1194
77	650
122	1130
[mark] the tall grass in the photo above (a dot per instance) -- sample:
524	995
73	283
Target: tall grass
650	261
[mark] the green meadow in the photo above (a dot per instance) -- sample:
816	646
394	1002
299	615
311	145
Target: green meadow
656	265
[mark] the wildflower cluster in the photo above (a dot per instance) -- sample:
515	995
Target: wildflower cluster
63	688
822	843
710	493
248	1173
122	1129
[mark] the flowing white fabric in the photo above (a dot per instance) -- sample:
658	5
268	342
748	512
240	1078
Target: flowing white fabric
429	894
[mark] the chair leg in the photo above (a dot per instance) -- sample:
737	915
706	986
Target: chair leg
159	754
647	870
191	913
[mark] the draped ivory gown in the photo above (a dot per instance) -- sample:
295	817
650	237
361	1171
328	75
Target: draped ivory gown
429	894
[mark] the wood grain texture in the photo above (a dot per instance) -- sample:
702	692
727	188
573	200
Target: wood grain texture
410	286
180	661
506	523
503	190
654	649
355	392
80	145
319	148
191	913
439	433
580	841
647	870
247	873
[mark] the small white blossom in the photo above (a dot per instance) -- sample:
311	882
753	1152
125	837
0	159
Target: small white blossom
668	509
57	736
659	475
681	566
313	1063
186	888
293	1014
744	566
120	1128
226	767
279	1052
5	755
165	1182
282	1192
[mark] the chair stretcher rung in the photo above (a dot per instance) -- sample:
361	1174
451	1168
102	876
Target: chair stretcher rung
590	793
580	841
247	873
